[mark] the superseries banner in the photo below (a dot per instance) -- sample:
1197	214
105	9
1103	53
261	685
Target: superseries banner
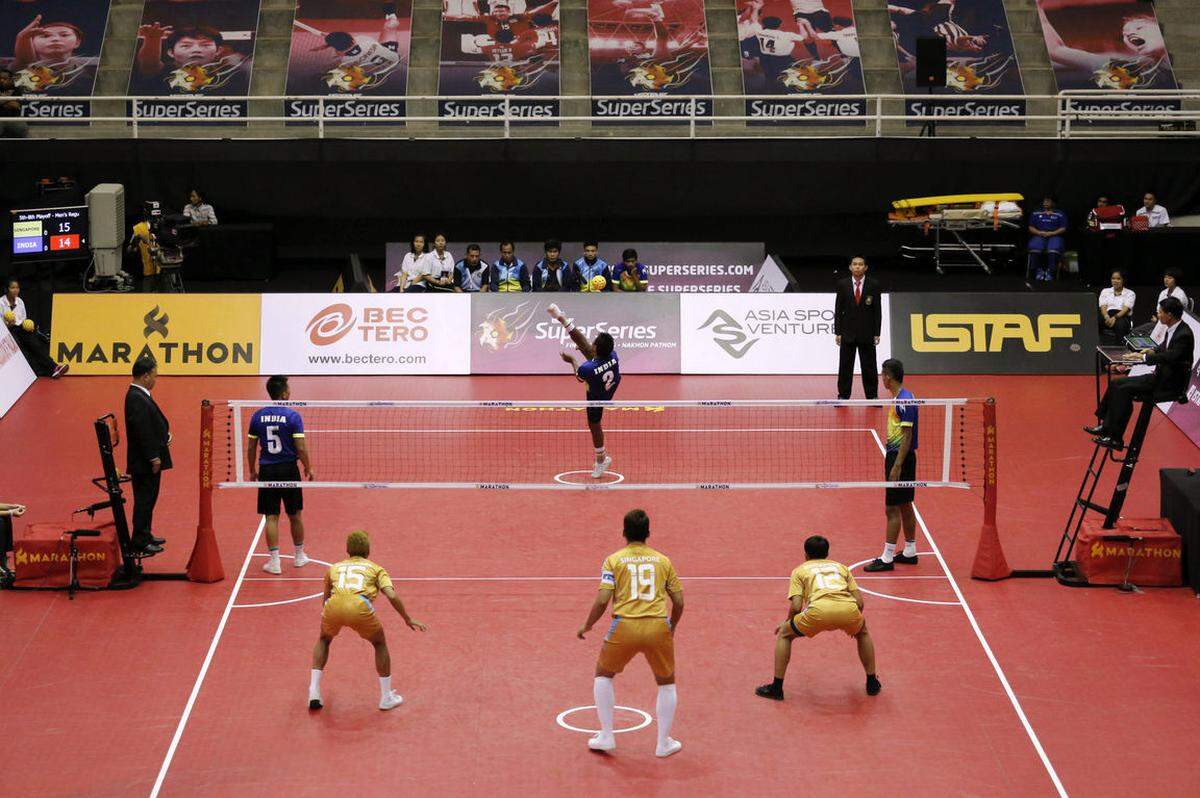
355	52
805	51
52	47
194	50
980	57
651	57
503	51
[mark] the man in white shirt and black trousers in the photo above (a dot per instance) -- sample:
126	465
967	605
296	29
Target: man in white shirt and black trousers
149	435
857	319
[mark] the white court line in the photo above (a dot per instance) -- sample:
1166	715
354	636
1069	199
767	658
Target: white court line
560	578
576	430
212	648
987	649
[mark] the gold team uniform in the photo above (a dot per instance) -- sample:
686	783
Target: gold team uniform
353	585
640	579
826	588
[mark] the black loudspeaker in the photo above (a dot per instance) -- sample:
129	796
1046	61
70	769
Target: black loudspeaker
931	61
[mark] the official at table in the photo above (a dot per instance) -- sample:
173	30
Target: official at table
857	319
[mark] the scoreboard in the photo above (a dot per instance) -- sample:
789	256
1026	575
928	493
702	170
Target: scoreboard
50	232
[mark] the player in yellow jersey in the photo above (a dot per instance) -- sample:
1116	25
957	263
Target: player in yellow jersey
823	597
637	580
350	590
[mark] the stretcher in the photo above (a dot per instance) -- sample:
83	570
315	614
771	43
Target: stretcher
958	214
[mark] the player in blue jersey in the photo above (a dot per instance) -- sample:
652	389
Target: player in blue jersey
1046	229
601	372
281	431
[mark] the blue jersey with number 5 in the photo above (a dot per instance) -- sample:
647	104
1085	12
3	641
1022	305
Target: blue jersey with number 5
276	429
602	377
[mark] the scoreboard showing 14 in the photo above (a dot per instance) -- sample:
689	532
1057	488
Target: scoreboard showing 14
50	232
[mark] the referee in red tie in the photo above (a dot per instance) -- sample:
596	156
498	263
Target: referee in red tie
857	317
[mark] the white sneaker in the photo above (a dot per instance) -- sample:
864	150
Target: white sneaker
272	567
603	742
598	468
672	747
300	560
392	701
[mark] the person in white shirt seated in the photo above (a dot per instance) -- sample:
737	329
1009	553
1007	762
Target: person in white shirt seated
439	265
24	332
1156	215
412	275
1116	308
1171	277
198	211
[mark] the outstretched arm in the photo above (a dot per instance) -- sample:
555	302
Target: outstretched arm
598	607
413	623
577	337
1060	53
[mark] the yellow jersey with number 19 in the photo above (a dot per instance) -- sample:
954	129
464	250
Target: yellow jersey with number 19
356	576
640	579
822	580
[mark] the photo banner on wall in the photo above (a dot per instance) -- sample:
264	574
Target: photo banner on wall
1115	45
808	57
52	47
980	58
503	51
652	56
356	52
194	50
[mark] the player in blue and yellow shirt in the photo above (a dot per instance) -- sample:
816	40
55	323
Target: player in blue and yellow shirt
638	581
822	597
508	274
1046	229
591	266
630	275
899	465
601	372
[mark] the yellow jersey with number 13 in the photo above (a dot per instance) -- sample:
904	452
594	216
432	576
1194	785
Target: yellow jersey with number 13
356	576
822	580
640	579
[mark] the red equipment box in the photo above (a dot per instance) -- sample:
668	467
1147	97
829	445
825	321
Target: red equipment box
1157	557
42	554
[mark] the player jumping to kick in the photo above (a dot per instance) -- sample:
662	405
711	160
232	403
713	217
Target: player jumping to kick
602	374
833	602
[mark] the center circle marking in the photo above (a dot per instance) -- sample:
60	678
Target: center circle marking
559	478
560	720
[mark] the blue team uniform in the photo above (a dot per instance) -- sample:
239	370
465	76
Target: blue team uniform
602	378
639	272
1051	247
589	270
276	430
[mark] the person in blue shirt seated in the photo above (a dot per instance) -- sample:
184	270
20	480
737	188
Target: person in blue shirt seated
630	275
590	266
470	272
1046	228
552	273
508	274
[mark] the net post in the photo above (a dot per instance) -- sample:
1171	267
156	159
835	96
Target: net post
990	563
204	565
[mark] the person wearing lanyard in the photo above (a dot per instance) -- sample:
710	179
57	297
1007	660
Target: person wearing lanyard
439	265
507	275
411	277
1116	308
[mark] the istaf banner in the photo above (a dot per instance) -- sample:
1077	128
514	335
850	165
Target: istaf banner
995	333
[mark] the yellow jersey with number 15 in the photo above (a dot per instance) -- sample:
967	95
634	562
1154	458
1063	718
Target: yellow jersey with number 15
640	579
822	580
356	576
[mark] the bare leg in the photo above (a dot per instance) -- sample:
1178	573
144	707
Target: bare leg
910	523
272	530
597	439
893	522
383	660
297	525
783	653
866	650
321	653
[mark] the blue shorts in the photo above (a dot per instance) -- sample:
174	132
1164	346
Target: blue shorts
1052	244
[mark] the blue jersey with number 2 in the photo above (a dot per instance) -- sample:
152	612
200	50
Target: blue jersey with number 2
602	377
276	429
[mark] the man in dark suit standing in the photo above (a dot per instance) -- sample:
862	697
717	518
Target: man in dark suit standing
1172	361
149	437
857	318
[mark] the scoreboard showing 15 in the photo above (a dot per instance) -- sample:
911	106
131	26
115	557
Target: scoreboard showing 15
50	232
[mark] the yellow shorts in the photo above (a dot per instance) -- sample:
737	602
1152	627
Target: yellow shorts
352	611
628	637
825	616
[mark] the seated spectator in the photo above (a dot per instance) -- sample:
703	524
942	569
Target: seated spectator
470	272
552	273
11	126
509	274
1171	277
1116	309
439	265
1046	229
412	275
630	275
198	211
1106	216
1156	215
591	266
7	513
24	332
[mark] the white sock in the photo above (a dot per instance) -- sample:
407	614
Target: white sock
274	554
299	549
665	710
606	700
889	552
385	687
314	683
599	454
910	548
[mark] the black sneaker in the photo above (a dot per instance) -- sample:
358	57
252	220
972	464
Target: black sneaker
315	703
904	559
769	691
873	685
879	565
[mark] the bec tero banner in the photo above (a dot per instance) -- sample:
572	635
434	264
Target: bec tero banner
52	47
193	50
366	334
353	51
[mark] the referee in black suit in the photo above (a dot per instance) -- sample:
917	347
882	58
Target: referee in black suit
857	318
149	435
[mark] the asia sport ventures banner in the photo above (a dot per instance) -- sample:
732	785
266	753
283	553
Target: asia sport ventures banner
650	56
353	51
806	51
52	47
980	57
1114	45
194	50
503	51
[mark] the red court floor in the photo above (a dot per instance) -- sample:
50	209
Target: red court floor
125	693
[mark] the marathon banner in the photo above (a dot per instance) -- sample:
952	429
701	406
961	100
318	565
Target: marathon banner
52	47
652	56
504	51
980	58
995	333
515	335
1115	45
808	57
194	51
354	51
